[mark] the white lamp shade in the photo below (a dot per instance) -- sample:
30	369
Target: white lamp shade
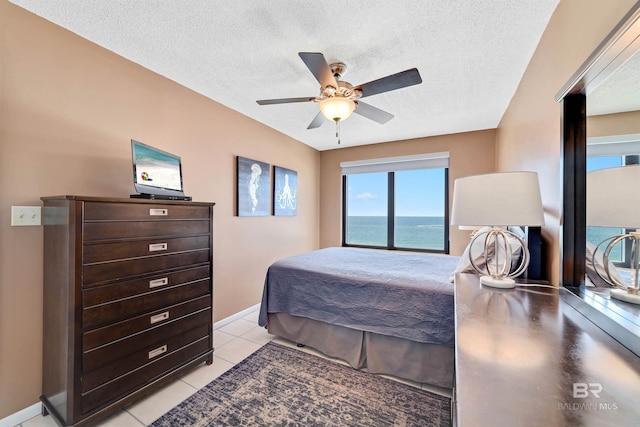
612	197
498	199
337	107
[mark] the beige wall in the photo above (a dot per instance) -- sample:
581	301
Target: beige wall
614	124
68	110
529	135
471	153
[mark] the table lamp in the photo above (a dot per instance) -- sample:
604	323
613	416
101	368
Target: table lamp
498	200
612	201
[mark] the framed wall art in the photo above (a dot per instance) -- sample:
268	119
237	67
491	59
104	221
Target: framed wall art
253	187
285	192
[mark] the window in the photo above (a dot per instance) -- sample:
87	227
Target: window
420	209
397	203
367	209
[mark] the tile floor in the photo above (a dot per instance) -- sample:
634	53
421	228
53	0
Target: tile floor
233	342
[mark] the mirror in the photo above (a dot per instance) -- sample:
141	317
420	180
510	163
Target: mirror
613	140
601	125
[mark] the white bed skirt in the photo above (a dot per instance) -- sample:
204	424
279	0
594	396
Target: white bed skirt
379	354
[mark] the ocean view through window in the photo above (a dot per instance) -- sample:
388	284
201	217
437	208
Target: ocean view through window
404	209
411	232
367	209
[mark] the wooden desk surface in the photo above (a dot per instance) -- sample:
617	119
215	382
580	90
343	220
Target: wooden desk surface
524	357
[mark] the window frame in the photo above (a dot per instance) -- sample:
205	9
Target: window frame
391	217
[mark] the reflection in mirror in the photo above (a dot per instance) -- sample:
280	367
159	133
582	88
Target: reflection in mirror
613	147
601	130
613	228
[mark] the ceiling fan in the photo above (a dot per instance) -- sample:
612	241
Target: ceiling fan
338	99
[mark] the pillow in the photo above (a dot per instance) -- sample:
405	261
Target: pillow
592	278
477	252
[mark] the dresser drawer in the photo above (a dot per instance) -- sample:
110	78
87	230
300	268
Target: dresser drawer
122	309
116	331
123	269
145	229
125	384
146	355
155	337
92	253
143	211
96	294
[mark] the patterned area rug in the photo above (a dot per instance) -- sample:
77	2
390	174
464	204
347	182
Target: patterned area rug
281	386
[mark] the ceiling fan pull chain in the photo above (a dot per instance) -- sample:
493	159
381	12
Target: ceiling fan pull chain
338	131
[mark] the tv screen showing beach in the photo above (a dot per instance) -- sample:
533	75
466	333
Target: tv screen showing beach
155	168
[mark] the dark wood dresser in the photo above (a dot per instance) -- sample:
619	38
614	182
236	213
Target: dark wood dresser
525	357
128	295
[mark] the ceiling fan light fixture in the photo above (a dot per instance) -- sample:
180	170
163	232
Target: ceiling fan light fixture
337	108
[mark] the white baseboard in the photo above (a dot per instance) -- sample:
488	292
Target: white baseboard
227	320
22	416
35	409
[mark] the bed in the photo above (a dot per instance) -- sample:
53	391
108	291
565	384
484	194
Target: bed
384	311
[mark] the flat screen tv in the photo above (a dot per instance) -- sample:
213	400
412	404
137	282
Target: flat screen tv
156	173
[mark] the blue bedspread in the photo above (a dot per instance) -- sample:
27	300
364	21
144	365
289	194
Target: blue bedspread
400	294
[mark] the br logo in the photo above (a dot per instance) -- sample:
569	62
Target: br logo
582	390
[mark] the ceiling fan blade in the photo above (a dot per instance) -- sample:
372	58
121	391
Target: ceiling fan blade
373	113
285	100
394	81
317	121
319	68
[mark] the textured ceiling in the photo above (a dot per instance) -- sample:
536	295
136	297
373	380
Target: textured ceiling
619	93
471	55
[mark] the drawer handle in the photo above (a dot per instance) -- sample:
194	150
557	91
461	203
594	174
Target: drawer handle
158	282
154	247
158	212
159	317
158	351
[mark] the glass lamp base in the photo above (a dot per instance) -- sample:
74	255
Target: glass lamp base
503	283
623	295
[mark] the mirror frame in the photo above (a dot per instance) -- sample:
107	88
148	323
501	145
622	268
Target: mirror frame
621	43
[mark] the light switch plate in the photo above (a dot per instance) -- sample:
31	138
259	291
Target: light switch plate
25	215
